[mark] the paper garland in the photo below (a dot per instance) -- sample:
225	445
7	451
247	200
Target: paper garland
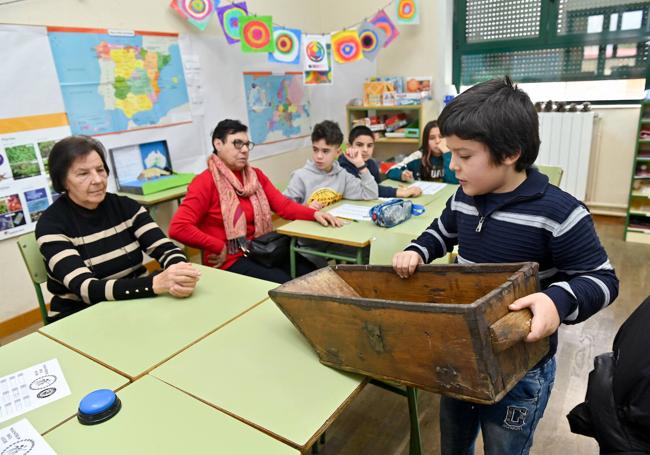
229	17
256	34
372	39
346	46
314	52
382	21
197	12
287	45
408	12
321	77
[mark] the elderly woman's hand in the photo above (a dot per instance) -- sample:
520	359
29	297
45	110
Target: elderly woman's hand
178	280
327	219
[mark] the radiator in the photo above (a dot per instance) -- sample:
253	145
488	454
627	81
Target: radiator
566	142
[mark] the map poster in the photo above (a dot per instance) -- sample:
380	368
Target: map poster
25	187
117	80
278	107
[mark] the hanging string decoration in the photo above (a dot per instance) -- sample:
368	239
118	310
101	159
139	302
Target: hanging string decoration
372	39
287	45
408	12
197	12
256	34
346	46
230	17
382	21
314	52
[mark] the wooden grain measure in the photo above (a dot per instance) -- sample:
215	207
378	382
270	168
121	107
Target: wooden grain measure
446	329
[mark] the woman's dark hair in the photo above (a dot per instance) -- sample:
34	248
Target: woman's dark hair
424	148
66	151
359	130
329	131
499	115
225	128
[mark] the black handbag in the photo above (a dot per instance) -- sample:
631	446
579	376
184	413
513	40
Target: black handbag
270	249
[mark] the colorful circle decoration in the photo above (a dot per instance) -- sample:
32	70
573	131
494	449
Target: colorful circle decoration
315	51
346	47
368	40
284	43
256	34
197	9
406	10
231	19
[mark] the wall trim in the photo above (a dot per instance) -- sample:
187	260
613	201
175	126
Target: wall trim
20	322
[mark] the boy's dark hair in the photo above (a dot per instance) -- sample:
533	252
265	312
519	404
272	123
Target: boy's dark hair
498	114
226	127
64	153
360	130
329	131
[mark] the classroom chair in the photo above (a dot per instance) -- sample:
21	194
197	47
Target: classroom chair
554	173
383	248
37	273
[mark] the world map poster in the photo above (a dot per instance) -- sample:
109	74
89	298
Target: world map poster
119	80
278	107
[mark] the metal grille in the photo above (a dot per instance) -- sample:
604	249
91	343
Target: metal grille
555	64
595	16
488	20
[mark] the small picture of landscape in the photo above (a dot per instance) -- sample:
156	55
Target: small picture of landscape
22	161
45	148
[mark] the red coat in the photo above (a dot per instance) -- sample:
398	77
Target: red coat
198	222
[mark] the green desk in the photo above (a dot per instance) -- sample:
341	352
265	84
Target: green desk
158	419
82	375
261	370
359	234
133	336
151	201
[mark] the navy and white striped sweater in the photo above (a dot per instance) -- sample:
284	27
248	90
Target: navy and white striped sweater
536	222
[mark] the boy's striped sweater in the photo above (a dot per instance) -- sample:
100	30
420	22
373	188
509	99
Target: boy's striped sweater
536	222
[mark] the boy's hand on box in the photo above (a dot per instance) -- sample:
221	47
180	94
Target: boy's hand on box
406	262
546	319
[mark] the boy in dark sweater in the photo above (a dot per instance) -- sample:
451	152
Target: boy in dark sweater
506	211
362	139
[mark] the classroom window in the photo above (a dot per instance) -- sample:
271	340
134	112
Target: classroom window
550	40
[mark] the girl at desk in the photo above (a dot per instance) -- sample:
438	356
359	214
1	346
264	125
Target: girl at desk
427	163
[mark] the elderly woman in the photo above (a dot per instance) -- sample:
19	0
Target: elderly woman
92	241
231	203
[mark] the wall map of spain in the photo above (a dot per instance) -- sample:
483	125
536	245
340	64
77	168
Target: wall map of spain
119	81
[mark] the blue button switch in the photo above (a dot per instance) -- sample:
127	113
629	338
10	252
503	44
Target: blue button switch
98	406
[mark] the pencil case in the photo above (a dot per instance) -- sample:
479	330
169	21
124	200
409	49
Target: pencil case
393	212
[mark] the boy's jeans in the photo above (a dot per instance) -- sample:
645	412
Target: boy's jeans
507	426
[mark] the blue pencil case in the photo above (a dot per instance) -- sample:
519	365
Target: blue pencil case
393	212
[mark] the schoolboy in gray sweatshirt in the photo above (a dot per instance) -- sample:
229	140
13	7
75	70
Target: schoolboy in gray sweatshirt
322	181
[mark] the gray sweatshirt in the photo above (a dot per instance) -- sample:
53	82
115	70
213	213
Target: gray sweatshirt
309	184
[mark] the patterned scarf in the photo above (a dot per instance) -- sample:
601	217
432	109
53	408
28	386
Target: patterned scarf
230	189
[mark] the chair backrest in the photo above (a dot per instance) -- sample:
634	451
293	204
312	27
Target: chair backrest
32	257
554	173
36	267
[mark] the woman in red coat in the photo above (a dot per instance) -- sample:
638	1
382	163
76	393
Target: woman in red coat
231	203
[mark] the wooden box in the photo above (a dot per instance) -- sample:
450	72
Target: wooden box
446	329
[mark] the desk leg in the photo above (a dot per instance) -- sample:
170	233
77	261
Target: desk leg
359	256
292	257
415	446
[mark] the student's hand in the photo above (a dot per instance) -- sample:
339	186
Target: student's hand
315	205
181	277
327	219
546	319
354	156
405	263
407	176
409	191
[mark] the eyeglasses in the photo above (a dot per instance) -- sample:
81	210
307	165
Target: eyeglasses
238	143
